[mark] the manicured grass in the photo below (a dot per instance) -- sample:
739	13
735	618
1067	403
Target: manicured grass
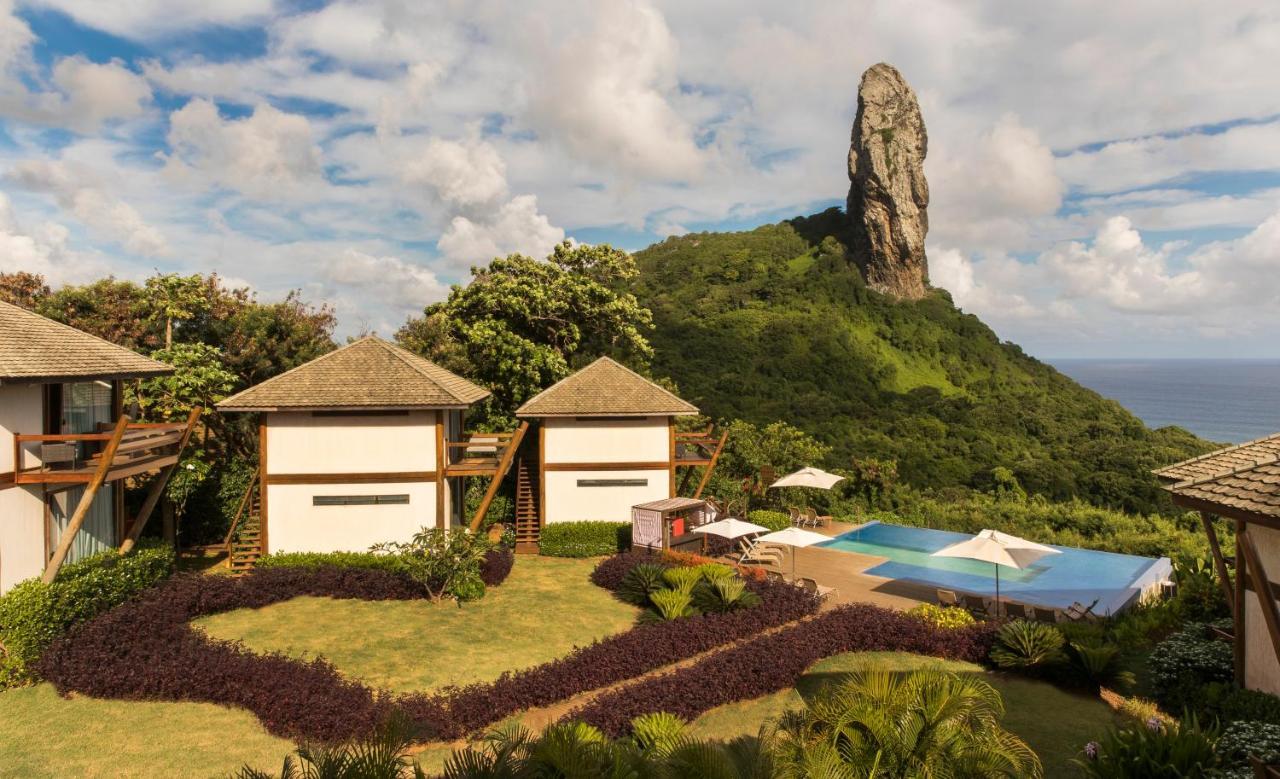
42	734
1055	723
545	609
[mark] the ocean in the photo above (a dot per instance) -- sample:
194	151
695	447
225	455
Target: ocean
1229	401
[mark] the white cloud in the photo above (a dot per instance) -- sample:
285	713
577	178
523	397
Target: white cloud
465	174
267	154
400	288
98	92
145	18
113	218
42	250
516	227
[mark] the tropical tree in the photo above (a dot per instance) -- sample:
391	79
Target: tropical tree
883	724
23	289
173	297
523	324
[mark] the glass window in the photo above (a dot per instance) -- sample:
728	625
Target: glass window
359	500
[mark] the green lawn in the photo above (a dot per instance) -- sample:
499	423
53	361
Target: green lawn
1056	724
545	609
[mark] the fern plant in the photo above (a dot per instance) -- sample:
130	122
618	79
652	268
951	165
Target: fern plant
1101	665
1024	644
672	604
641	581
682	579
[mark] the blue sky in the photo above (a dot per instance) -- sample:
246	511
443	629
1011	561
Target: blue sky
1105	178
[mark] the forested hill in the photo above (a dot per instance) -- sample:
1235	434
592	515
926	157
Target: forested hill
777	323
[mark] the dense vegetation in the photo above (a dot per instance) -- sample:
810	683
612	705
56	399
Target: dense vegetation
777	324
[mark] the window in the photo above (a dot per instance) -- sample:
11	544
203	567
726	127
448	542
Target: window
613	482
359	500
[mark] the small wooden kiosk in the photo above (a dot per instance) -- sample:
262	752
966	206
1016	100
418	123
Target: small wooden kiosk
669	523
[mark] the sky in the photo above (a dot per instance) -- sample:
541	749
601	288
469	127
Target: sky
1105	177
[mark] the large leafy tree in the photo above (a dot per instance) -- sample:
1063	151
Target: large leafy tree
523	324
22	289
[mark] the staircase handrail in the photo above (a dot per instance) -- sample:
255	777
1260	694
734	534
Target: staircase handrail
245	502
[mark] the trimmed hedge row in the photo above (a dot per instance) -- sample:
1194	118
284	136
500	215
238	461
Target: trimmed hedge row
33	614
774	520
493	571
584	539
775	662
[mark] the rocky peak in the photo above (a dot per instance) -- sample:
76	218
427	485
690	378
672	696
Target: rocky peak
888	194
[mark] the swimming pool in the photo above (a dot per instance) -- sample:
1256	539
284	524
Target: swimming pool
1059	580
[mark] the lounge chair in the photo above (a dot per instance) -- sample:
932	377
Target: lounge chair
812	586
1015	610
812	518
797	519
948	598
977	605
759	554
1078	611
1045	615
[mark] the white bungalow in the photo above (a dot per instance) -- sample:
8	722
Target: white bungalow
606	441
65	445
360	446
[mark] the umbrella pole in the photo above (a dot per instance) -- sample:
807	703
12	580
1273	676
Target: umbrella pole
997	565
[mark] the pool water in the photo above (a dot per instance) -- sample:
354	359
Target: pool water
1057	580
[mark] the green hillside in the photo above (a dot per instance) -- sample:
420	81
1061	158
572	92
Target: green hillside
777	323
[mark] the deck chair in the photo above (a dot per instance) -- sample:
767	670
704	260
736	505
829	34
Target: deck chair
977	605
948	598
797	519
1042	614
1015	610
1078	611
759	554
813	587
812	518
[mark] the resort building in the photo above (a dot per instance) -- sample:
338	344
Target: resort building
606	440
361	446
65	445
1241	485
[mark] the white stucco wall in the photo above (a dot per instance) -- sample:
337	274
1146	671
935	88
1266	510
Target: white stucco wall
295	525
567	502
639	440
1261	668
298	442
21	508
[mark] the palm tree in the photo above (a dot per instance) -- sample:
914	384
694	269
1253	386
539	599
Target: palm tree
883	724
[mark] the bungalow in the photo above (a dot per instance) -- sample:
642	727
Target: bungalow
65	445
606	441
359	446
1241	484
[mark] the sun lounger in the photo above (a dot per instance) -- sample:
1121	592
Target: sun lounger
948	598
1015	610
760	554
812	518
797	519
977	605
1045	615
812	586
1078	611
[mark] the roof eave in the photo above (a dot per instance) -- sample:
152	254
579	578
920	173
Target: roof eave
602	414
236	408
72	377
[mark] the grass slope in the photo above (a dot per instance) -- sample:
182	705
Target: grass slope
777	323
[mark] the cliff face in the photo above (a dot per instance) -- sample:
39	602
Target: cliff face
888	195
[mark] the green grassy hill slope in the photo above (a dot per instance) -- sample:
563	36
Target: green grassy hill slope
776	323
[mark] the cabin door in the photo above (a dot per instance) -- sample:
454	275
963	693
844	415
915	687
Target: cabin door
83	408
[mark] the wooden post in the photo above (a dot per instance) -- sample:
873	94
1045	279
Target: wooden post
1218	563
264	490
711	466
671	461
1242	573
157	488
504	464
1262	590
86	500
441	520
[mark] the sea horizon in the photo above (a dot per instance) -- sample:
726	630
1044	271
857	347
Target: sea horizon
1222	399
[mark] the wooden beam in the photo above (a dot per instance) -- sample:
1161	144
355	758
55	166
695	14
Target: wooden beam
263	524
1220	564
157	488
1222	510
508	455
671	459
82	508
389	477
1259	575
656	465
1242	576
706	475
440	466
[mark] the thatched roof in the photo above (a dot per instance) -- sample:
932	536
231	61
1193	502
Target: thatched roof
35	349
367	374
604	389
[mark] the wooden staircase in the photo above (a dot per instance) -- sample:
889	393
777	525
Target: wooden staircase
244	539
528	524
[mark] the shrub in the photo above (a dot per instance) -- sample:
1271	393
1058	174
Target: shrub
1239	740
640	582
1228	703
723	593
1184	663
610	572
774	520
943	617
1142	710
444	562
584	539
1151	751
496	566
1026	645
682	579
773	662
33	614
1100	664
314	560
671	604
382	755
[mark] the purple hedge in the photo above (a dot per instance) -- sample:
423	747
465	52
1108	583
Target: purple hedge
497	565
608	574
775	662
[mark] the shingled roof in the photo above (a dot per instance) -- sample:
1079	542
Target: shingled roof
604	389
36	349
1232	458
367	374
1253	492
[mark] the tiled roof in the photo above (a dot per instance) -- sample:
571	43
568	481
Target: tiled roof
602	389
1232	458
37	349
369	373
1253	490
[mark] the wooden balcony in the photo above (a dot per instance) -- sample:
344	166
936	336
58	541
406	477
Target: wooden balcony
699	448
75	458
478	454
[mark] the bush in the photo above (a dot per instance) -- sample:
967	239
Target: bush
1184	663
33	614
610	572
1152	750
1027	645
774	520
641	582
213	504
584	539
775	661
497	565
1239	740
940	617
1100	665
314	560
1228	703
447	563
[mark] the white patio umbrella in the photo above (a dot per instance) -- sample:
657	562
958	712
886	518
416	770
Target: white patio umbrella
808	477
992	546
730	528
792	537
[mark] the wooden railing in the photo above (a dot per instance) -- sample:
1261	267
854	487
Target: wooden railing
75	457
698	448
477	454
245	502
